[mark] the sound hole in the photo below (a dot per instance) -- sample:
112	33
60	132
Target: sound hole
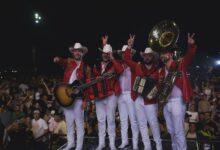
76	91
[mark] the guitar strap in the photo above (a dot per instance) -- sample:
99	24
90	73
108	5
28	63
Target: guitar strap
94	88
84	73
87	73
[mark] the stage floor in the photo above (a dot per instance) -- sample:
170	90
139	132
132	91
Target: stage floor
90	143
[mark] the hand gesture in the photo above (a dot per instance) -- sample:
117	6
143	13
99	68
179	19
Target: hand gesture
191	39
56	59
104	40
131	41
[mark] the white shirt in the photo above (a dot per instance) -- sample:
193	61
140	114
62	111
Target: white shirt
103	65
38	127
125	80
73	75
176	92
208	91
194	116
191	135
52	124
37	95
23	87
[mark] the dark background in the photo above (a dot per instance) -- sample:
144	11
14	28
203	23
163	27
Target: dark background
66	22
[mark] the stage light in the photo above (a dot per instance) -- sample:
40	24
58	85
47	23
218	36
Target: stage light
217	62
36	15
37	18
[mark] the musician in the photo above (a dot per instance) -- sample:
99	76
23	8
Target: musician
146	109
108	90
126	106
174	110
75	69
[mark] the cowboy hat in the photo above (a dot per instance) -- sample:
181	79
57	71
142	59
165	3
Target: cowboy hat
106	49
78	46
148	50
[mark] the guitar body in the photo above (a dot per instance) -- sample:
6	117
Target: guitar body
67	93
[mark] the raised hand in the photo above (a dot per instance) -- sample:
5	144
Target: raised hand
191	38
56	59
131	40
104	40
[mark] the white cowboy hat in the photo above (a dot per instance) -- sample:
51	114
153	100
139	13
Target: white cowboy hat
78	46
106	49
148	50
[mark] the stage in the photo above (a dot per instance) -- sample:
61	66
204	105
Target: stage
90	143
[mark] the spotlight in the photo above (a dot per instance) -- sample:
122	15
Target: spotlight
217	62
37	18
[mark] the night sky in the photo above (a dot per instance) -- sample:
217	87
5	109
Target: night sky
65	23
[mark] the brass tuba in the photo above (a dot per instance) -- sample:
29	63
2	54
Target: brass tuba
163	37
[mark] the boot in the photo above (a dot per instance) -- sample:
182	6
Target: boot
124	141
101	143
135	144
69	146
123	144
112	143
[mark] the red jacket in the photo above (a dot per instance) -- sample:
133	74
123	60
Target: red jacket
110	86
69	65
138	69
183	81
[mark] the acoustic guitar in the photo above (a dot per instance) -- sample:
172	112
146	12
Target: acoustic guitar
66	94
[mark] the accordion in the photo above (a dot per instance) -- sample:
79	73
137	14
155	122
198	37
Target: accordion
146	87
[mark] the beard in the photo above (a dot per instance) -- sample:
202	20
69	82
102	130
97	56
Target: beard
105	58
165	60
78	57
148	62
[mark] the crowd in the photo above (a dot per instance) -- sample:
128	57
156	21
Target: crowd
29	111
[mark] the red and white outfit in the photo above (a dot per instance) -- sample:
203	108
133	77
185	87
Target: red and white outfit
106	104
174	110
146	109
75	112
126	107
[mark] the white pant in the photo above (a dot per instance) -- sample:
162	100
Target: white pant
105	109
148	114
75	113
126	107
174	114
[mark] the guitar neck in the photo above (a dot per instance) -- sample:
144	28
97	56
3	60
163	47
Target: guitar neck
45	85
86	85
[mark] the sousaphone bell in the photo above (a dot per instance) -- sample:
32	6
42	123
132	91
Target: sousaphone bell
163	36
